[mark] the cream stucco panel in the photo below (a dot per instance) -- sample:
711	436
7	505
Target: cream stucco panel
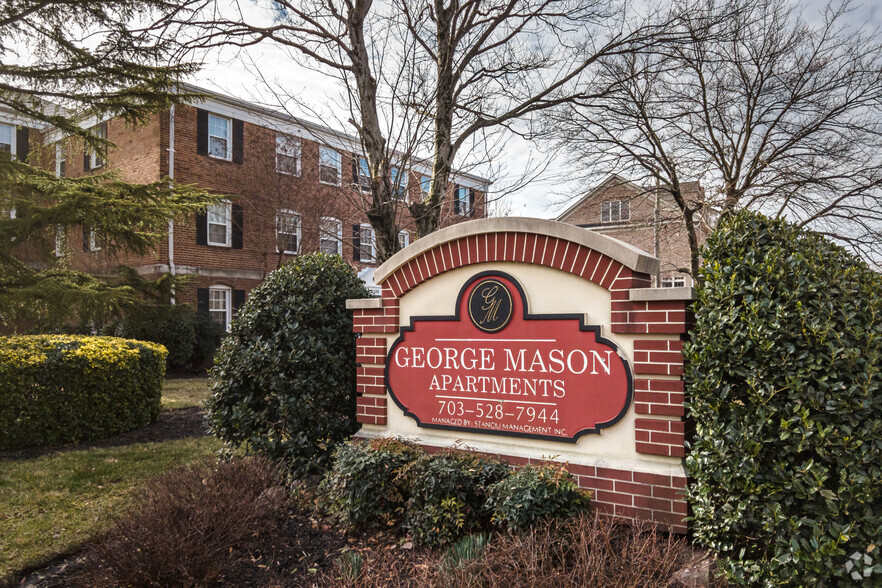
548	291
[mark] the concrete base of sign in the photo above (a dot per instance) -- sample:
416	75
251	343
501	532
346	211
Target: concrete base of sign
633	464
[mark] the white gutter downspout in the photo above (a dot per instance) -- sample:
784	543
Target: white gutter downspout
171	175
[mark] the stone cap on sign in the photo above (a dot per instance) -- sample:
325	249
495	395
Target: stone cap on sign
631	257
661	294
363	303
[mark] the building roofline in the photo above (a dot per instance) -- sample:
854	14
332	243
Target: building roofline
591	193
285	118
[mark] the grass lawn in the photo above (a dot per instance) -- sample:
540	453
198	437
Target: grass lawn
183	392
51	504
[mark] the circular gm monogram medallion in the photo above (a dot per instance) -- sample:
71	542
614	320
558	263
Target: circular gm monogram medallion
490	305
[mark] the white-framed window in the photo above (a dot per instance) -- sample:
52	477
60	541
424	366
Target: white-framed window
287	232
7	139
367	241
329	166
673	282
94	241
220	224
425	184
461	204
220	132
60	160
403	239
95	159
615	211
220	307
288	154
331	236
59	240
363	181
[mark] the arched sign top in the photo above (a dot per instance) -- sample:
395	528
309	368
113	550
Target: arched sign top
627	255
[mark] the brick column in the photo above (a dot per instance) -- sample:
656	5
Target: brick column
373	319
663	316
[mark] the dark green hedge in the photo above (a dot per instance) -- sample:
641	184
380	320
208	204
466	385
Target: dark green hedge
363	488
191	337
447	494
784	388
61	388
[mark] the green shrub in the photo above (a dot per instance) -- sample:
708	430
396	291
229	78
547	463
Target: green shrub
447	495
65	388
349	566
784	388
209	335
361	489
284	378
190	337
464	550
535	493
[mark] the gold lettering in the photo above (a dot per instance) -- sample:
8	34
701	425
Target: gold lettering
491	304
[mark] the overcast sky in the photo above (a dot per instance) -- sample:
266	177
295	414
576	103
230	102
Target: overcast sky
237	76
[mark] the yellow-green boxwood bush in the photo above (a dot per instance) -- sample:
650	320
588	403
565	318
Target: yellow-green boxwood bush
62	388
785	391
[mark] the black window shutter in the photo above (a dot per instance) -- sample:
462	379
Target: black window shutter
471	202
238	224
356	242
86	239
238	140
201	228
86	158
238	300
202	300
22	144
355	179
457	209
201	131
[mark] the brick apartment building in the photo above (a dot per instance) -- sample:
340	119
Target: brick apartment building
295	187
643	216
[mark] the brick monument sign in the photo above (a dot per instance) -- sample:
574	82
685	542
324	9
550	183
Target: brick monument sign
533	340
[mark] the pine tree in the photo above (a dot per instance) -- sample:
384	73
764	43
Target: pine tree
63	63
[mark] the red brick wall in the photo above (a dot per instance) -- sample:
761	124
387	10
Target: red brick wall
141	155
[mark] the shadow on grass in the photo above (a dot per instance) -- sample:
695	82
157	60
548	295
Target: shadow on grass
179	423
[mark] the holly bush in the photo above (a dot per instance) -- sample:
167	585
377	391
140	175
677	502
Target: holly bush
784	389
283	383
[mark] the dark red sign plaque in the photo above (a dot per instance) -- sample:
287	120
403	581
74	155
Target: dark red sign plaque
494	368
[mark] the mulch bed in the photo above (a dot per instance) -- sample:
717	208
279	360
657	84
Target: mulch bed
301	552
178	423
295	551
